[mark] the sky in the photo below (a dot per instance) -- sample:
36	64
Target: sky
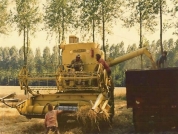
41	41
119	34
128	36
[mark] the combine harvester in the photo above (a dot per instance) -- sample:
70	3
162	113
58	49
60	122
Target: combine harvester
87	92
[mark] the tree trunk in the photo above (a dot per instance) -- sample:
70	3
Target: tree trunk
93	29
59	41
63	23
141	36
103	19
27	45
93	23
24	35
161	45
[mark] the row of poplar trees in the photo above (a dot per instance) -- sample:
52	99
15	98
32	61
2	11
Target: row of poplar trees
93	18
45	61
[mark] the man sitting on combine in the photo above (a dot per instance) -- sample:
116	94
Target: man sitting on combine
77	64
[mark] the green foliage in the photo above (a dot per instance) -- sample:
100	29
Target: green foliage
27	15
98	16
11	60
148	10
27	18
59	16
5	16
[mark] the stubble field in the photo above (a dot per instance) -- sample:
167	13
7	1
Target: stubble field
11	122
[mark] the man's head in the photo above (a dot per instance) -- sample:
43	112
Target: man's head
50	107
98	56
78	57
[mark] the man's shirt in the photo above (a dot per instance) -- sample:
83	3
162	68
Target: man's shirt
105	65
77	64
51	118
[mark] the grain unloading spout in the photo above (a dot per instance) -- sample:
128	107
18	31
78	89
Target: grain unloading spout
133	55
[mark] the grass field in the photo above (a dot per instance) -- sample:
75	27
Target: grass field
4	90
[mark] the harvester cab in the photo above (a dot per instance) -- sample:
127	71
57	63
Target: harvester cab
86	79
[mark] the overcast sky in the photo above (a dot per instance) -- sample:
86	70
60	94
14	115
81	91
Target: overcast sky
119	34
128	36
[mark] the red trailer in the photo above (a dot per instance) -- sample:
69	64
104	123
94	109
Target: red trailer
153	96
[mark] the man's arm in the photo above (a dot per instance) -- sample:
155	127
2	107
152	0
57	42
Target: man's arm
59	111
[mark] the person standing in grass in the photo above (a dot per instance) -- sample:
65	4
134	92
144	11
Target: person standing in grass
51	120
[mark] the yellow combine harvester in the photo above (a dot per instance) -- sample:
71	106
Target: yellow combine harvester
73	90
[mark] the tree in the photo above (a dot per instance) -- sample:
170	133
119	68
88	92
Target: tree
59	16
4	15
174	12
6	64
161	8
47	60
27	18
30	61
140	12
134	62
108	12
176	53
118	70
38	61
1	56
89	17
55	56
14	57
